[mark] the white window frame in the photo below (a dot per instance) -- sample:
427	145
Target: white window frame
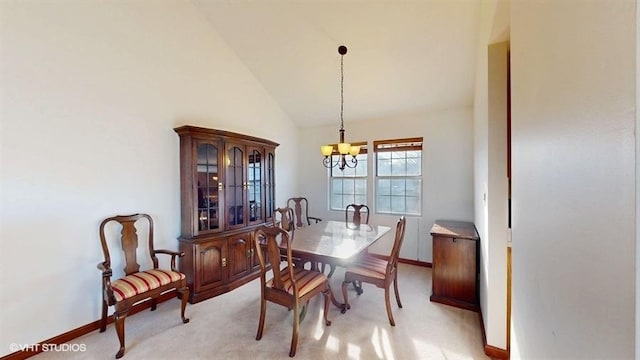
399	149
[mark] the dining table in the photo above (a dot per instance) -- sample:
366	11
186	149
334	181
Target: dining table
336	243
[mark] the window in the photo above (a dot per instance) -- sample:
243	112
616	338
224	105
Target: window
398	176
348	186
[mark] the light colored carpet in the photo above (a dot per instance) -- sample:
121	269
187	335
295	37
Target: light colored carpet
225	327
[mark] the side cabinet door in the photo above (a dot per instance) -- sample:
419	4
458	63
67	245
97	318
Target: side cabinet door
454	267
240	255
211	262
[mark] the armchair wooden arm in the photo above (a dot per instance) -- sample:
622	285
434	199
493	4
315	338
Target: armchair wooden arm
166	252
317	220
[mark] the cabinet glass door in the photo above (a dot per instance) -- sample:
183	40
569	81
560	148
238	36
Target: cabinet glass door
254	186
207	175
234	193
269	185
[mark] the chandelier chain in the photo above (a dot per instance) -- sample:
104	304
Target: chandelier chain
341	91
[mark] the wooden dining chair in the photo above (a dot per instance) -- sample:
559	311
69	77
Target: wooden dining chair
136	285
376	271
300	205
283	218
291	287
358	213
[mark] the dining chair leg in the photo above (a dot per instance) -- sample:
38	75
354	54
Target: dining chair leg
388	304
103	322
263	310
395	287
332	269
345	297
184	295
358	286
327	299
294	336
119	317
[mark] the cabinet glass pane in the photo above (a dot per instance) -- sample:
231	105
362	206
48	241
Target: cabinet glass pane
254	174
235	182
207	194
270	195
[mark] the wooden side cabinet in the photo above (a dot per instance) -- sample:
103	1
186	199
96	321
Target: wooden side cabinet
456	265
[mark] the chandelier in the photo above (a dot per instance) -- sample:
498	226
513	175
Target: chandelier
344	148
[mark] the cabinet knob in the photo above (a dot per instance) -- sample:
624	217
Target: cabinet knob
224	262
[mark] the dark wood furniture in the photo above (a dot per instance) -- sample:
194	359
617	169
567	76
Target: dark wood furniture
335	243
379	272
300	205
227	190
358	212
291	287
136	285
455	279
283	218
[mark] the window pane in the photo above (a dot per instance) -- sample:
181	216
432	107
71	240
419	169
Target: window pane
414	166
397	204
399	167
360	199
336	186
360	186
347	186
336	202
413	206
383	203
384	166
384	187
413	187
398	187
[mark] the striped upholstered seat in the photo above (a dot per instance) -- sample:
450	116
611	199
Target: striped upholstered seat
370	266
306	280
141	282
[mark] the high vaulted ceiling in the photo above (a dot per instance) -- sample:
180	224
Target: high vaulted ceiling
404	57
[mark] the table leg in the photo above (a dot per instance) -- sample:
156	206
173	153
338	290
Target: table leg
334	301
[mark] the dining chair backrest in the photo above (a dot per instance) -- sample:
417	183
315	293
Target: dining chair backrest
360	211
273	238
397	244
283	218
300	206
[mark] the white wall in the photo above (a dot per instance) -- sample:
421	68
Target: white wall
490	170
447	172
573	163
90	94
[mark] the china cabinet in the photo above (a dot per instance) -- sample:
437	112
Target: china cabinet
227	189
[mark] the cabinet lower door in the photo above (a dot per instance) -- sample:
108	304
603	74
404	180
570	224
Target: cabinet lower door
240	254
210	265
454	268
